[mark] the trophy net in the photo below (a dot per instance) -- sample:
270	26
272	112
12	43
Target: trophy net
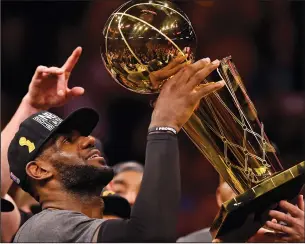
226	129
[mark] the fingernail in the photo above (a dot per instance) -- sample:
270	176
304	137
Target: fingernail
208	60
216	61
222	82
60	93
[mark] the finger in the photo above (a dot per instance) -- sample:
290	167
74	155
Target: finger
279	216
72	60
176	69
301	202
216	241
197	78
200	64
205	89
274	220
262	235
75	92
61	86
190	70
279	227
61	93
54	70
283	239
177	60
39	72
262	230
171	72
290	208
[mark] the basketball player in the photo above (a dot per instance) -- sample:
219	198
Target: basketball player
57	163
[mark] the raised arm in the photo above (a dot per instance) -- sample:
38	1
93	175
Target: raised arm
154	215
48	88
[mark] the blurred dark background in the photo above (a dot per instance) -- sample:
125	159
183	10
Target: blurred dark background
265	38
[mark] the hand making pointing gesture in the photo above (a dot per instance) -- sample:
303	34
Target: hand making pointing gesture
49	85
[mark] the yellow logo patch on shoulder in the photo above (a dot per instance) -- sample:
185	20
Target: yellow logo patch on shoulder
24	142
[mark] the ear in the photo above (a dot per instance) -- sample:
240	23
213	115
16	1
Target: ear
38	170
218	197
109	187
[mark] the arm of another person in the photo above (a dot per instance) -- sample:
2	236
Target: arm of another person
154	215
24	110
47	89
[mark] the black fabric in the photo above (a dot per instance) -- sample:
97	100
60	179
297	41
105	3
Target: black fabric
6	206
154	215
36	208
36	130
115	205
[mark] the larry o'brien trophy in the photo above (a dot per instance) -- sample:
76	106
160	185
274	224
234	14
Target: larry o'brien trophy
143	42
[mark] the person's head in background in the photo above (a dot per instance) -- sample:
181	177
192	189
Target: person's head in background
224	192
127	180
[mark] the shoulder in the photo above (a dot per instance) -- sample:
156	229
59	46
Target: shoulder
197	236
58	226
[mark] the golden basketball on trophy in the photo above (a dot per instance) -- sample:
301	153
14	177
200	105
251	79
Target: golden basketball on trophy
143	43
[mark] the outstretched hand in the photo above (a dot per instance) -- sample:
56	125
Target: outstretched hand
49	85
181	94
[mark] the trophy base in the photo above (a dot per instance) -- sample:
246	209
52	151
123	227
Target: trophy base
241	217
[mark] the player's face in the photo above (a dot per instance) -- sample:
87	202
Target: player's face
79	165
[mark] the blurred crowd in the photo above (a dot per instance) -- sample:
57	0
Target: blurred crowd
265	38
128	62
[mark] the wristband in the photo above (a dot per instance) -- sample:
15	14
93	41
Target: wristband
162	129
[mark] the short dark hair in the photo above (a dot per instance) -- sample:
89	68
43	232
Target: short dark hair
128	166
